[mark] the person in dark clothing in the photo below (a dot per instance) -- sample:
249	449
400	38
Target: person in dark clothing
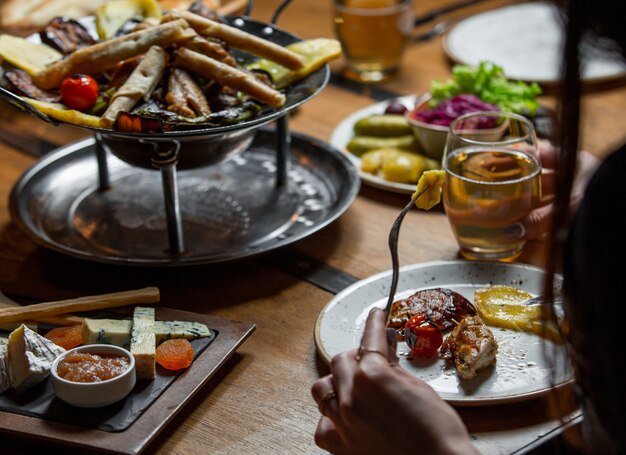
369	405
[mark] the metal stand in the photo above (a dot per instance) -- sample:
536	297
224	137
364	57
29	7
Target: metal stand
283	151
103	169
165	159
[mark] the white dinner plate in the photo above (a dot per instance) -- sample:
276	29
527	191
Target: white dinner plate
521	371
525	40
344	132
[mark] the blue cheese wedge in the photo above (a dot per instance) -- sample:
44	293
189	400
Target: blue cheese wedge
143	342
107	331
117	331
30	357
5	376
165	330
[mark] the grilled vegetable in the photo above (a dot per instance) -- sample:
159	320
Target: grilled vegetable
66	35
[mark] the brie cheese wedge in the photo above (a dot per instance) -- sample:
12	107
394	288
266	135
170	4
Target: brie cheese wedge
5	376
30	357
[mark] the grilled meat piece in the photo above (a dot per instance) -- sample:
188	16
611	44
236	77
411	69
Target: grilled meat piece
184	96
471	346
443	307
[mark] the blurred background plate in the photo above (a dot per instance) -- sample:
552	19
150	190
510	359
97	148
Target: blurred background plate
525	39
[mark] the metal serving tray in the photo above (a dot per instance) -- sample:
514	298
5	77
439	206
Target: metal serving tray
229	211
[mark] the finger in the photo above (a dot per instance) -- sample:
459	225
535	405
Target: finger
392	347
342	367
325	395
548	178
547	154
374	338
537	222
321	387
327	437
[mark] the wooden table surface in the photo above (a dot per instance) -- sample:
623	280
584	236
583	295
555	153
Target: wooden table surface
260	402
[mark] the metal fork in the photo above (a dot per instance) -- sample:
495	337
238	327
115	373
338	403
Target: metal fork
393	248
438	29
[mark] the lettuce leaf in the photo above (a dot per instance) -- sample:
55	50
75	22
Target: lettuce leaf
487	81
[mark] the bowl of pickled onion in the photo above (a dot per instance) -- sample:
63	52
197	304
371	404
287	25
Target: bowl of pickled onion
431	123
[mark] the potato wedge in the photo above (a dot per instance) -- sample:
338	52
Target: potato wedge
62	113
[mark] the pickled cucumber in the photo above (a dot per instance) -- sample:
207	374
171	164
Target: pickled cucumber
358	145
382	125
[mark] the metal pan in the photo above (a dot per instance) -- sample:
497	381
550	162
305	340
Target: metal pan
204	145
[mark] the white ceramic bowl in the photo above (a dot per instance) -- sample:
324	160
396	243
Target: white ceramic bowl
95	394
432	138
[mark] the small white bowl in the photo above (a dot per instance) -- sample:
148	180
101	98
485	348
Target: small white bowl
95	394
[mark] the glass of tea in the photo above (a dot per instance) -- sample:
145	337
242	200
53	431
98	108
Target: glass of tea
373	35
492	182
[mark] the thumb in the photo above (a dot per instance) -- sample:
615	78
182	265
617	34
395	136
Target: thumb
533	226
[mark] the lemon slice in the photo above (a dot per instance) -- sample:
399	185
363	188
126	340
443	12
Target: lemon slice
507	307
316	52
61	112
435	179
113	14
30	57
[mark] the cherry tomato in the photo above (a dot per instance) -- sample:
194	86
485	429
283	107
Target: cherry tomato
79	91
422	337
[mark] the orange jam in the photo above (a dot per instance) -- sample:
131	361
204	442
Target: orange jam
85	367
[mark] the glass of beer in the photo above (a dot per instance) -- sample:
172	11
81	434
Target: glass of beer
492	182
373	36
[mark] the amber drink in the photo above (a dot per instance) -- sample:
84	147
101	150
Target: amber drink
373	35
492	182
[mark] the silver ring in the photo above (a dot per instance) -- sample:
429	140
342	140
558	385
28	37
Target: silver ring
362	351
326	399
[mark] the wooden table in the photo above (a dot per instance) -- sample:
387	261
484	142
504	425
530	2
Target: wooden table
260	402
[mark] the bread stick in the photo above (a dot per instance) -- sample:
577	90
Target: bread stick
97	302
66	319
100	56
227	75
211	49
240	40
140	83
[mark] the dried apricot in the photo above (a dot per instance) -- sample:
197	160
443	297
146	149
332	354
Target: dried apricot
174	354
67	337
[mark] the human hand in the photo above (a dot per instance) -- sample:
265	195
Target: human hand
536	224
370	405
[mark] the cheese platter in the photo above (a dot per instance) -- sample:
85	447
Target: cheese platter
31	409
